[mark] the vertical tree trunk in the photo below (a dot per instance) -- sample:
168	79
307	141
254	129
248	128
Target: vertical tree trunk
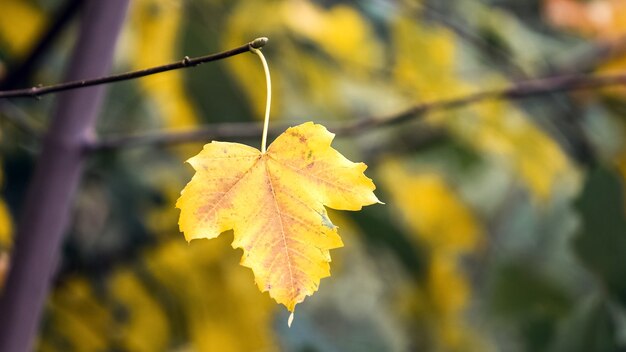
46	210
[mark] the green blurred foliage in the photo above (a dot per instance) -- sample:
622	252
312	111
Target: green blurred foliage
601	240
504	223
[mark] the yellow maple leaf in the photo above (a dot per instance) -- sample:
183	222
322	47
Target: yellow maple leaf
275	202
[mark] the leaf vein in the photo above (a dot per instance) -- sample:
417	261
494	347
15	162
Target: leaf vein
282	228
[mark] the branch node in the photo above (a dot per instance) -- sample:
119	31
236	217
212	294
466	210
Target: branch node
35	90
258	43
186	61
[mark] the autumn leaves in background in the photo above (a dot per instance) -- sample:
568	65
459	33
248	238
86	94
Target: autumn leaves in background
330	64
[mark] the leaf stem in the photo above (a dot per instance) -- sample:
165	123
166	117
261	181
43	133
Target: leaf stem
268	101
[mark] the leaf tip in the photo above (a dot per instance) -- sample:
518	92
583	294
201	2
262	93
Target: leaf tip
290	320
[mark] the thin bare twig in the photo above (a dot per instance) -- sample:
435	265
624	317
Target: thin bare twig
524	89
184	63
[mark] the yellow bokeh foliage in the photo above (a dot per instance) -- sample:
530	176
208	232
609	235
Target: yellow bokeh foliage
343	59
76	318
425	68
509	135
431	209
175	296
154	32
6	240
424	61
241	28
144	326
340	31
215	295
444	224
127	316
20	25
6	227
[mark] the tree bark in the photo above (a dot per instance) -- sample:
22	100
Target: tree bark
44	217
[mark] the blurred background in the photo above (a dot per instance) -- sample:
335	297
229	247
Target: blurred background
504	226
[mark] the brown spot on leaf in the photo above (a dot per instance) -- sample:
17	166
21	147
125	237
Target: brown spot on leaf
302	138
